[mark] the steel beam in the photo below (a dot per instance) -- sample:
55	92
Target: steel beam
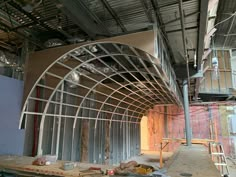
145	7
179	30
183	30
177	19
230	28
84	18
114	15
201	36
181	12
34	19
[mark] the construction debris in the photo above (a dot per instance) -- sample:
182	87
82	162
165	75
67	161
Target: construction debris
132	167
41	161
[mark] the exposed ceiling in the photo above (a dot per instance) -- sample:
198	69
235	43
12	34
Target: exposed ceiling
226	32
60	22
74	21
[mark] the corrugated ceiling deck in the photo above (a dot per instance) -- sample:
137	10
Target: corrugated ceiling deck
225	10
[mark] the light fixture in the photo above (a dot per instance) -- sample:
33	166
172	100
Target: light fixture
215	73
215	63
195	60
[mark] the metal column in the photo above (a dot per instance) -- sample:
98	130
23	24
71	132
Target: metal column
186	113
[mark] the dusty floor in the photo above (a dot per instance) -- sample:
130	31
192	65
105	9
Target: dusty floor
151	158
193	160
232	167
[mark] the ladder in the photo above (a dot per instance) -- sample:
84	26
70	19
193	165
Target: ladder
218	157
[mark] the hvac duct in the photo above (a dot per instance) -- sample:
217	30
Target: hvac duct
53	43
8	59
91	68
74	77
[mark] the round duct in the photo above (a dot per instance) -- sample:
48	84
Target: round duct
53	43
73	79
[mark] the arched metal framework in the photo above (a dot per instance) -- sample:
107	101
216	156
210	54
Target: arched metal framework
115	83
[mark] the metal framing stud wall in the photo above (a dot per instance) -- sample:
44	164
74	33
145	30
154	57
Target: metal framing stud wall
94	97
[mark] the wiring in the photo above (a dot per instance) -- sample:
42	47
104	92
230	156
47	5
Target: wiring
225	20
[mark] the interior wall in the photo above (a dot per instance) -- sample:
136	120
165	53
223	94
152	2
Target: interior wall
207	122
87	140
70	126
11	138
163	123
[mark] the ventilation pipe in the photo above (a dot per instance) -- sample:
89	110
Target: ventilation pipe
74	77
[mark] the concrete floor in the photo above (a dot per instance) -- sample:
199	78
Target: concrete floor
232	167
151	158
193	160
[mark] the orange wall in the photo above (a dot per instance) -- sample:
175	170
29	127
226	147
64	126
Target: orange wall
169	123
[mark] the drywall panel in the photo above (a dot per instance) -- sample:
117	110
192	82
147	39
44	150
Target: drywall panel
39	61
11	138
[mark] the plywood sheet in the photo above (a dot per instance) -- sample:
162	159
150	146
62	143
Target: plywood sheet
24	164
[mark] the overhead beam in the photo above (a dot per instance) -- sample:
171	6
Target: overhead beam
34	23
182	20
201	37
35	20
172	3
7	46
159	21
114	15
202	30
84	18
177	19
156	10
230	28
145	7
232	34
6	29
179	30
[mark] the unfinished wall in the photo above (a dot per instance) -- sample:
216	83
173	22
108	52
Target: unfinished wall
207	122
162	123
92	98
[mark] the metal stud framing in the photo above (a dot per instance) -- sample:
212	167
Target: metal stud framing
117	85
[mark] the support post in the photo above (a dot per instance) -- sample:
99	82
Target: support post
161	160
186	113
